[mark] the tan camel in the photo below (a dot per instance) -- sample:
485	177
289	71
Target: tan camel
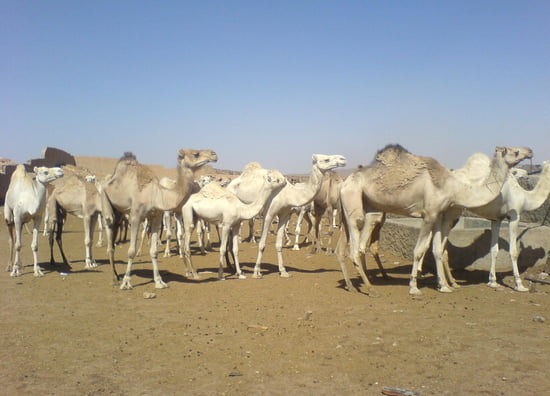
74	194
135	190
213	203
298	194
26	201
405	184
512	201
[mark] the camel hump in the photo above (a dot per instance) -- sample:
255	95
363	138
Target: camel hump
19	171
252	166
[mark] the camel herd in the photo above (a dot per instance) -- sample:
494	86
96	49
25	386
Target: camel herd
396	181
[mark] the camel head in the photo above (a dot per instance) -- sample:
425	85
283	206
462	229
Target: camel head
204	180
328	162
275	179
46	175
194	159
514	155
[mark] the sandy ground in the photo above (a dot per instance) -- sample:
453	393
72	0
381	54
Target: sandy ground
76	334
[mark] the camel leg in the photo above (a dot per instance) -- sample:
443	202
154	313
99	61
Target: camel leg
235	246
376	221
188	225
156	223
357	253
89	225
166	218
134	230
200	235
34	246
11	245
495	231
223	249
261	246
422	245
438	247
179	235
283	221
448	222
318	218
340	255
100	227
59	237
514	252
298	228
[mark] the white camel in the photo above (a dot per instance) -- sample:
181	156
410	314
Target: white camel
213	203
402	183
298	194
26	201
512	201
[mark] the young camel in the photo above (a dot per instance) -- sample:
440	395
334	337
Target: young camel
26	201
298	194
213	203
405	184
512	201
75	195
135	190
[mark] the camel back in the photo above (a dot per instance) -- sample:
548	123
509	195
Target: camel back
396	168
129	164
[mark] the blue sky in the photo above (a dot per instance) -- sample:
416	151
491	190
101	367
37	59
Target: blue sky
274	81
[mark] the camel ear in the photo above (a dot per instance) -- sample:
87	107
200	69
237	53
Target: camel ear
314	159
501	149
35	169
181	153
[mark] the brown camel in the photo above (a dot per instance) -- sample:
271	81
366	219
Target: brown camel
409	185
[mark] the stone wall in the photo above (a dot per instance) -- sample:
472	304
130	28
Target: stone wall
50	157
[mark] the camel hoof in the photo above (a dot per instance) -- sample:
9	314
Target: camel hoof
445	289
494	285
521	288
38	274
126	285
242	276
257	275
414	291
15	273
160	285
296	247
285	274
455	286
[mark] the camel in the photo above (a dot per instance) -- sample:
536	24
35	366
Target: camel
76	194
298	194
409	185
326	201
213	203
26	201
512	201
135	190
169	215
